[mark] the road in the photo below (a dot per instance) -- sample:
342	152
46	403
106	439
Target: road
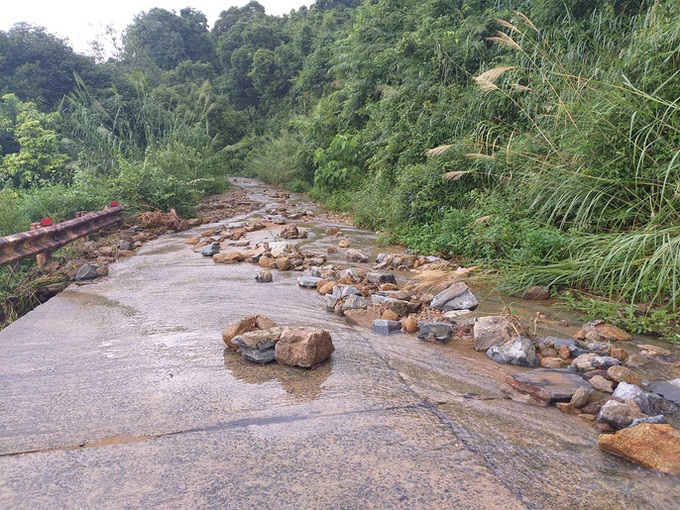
120	394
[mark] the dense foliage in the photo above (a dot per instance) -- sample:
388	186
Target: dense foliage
539	137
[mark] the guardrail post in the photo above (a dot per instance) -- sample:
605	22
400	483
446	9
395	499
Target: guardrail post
41	258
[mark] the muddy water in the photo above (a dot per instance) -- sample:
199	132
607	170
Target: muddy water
120	395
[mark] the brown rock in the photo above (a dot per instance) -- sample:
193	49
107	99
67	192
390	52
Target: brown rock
564	352
103	270
410	324
604	428
303	347
599	383
344	243
325	287
619	353
552	362
361	317
126	253
194	222
262	322
332	231
580	335
587	417
239	328
619	374
580	398
106	251
283	263
389	315
594	407
192	240
208	233
567	407
611	333
267	262
228	257
388	286
654	446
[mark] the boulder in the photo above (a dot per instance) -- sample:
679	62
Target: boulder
353	302
619	414
86	272
244	326
456	297
653	446
385	327
228	257
619	374
670	390
308	281
356	256
435	331
303	347
518	351
591	361
493	330
650	403
211	249
377	278
599	383
258	346
580	398
543	386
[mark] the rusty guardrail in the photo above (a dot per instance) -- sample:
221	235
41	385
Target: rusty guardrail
42	241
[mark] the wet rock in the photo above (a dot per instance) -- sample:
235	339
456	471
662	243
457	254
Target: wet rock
670	390
653	446
258	346
591	361
456	297
385	327
650	403
343	291
228	257
244	326
518	351
363	318
308	281
282	249
332	231
659	419
653	351
607	332
289	232
435	331
410	324
552	362
555	342
580	398
619	414
353	302
619	374
211	249
264	277
543	386
86	272
325	287
599	383
493	330
303	347
536	293
267	261
356	256
352	273
377	278
283	263
619	353
567	407
344	243
455	315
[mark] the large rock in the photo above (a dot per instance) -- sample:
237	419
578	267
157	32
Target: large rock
620	414
493	330
620	374
518	351
377	278
363	317
356	256
650	403
86	272
303	347
385	327
211	249
435	331
652	446
670	390
456	297
258	346
543	386
282	249
308	281
238	328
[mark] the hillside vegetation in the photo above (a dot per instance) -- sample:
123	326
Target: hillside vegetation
538	138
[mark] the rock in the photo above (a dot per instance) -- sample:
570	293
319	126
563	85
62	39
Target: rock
401	308
282	249
267	261
619	414
435	331
325	287
332	231
580	398
211	249
454	315
653	446
283	263
599	383
289	232
238	328
456	297
493	330
363	318
85	272
564	353
377	278
659	419
308	281
518	351
385	327
650	403
552	362
537	293
228	257
567	407
619	353
264	277
303	347
353	302
330	301
389	315
258	346
236	225
624	374
591	361
103	270
344	243
343	291
192	241
356	256
544	386
124	245
670	390
410	324
653	351
610	333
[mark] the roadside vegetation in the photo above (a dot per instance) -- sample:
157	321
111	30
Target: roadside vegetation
538	138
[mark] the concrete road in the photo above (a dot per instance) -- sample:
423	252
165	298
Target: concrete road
120	394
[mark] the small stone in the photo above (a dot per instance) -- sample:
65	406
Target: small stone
363	318
238	328
608	333
228	257
410	324
455	297
308	281
494	330
192	241
264	277
354	301
587	417
580	398
211	249
650	403
518	351
344	243
567	407
385	327
619	414
303	347
332	231
268	262
325	287
564	352
377	278
605	428
283	263
537	293
389	315
356	256
653	446
619	353
552	362
599	383
86	272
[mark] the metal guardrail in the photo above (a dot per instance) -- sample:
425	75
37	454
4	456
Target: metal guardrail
43	241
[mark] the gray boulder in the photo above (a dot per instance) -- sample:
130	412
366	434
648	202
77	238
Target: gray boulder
211	249
649	403
377	278
439	331
385	327
354	302
519	351
493	330
343	291
591	361
86	272
456	297
308	281
620	414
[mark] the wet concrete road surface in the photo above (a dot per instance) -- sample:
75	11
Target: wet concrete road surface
120	394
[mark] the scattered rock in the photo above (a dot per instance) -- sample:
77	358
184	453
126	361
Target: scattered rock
283	263
619	353
264	277
552	362
258	346
377	278
619	374
518	351
435	331
652	446
356	256
228	257
363	318
599	383
456	297
650	403
670	390
389	315
211	249
303	347
385	327
308	281
354	301
289	232
619	414
282	249
537	293
543	386
580	398
410	324
86	272
344	243
591	361
567	407
493	330
243	326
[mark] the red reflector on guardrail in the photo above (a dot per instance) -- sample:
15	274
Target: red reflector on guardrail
114	204
46	222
